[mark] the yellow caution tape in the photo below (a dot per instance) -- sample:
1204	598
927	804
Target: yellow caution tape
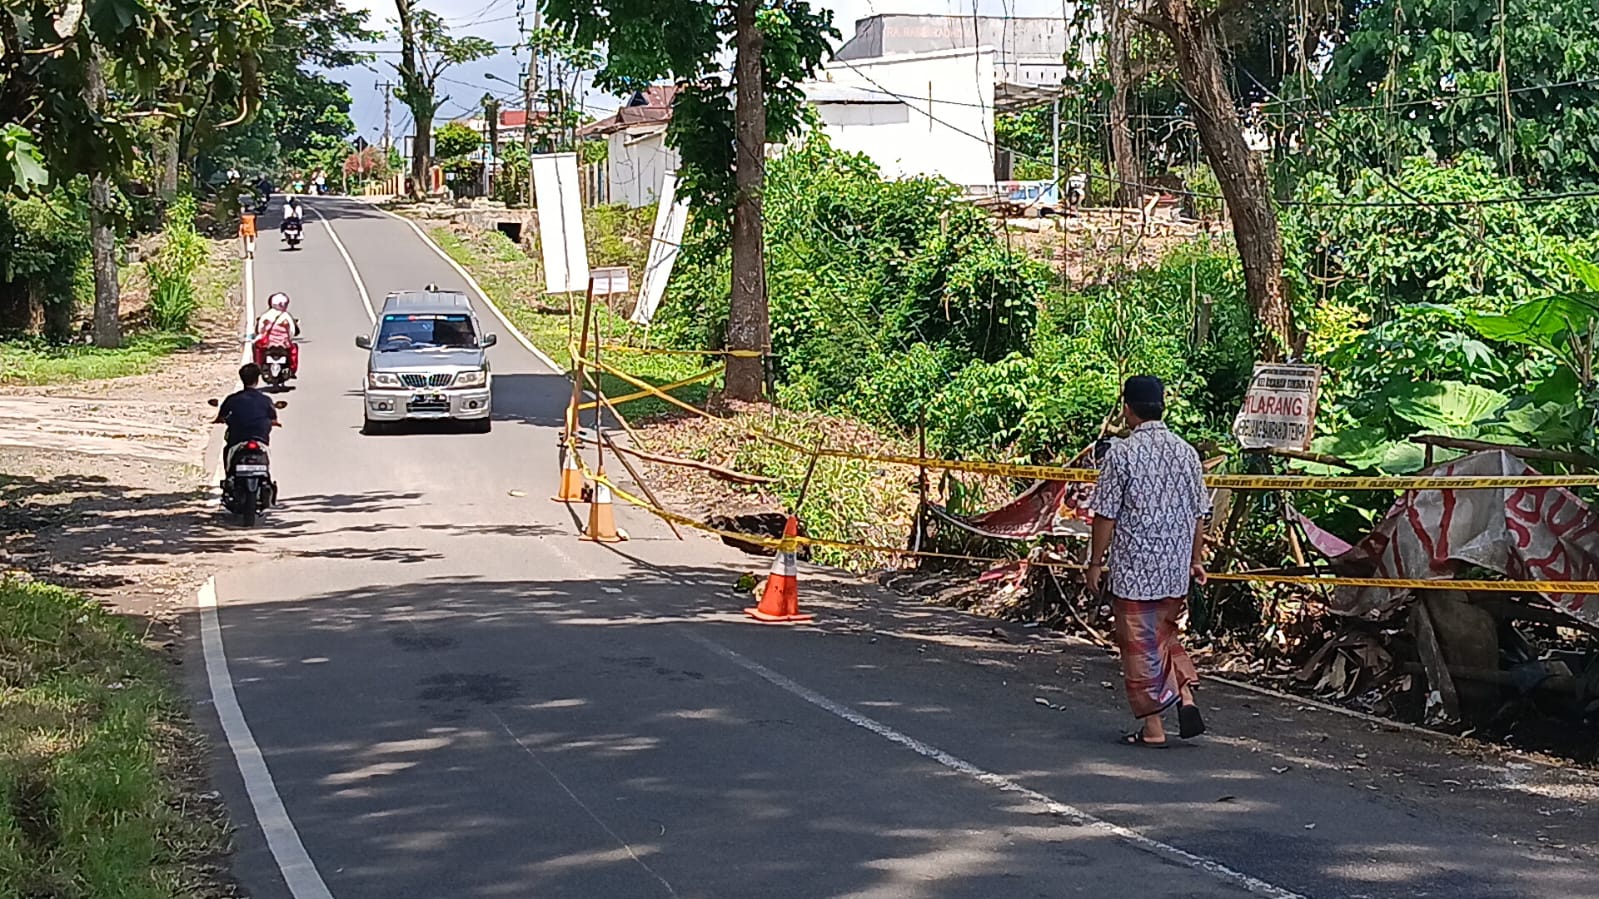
647	351
787	545
1088	475
641	394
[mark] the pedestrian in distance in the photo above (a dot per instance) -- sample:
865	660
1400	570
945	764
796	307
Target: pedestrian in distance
247	232
1150	508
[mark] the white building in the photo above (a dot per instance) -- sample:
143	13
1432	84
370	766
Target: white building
913	113
637	157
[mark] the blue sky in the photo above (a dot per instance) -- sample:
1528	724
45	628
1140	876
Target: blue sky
497	21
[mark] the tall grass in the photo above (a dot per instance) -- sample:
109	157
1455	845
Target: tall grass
173	297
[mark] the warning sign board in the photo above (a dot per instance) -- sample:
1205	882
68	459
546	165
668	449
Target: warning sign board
1280	408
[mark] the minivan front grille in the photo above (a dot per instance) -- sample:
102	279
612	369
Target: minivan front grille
426	380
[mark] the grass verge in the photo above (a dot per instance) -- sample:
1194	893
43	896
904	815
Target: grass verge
512	279
30	361
91	746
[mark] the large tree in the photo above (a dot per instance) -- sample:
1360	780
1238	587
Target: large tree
775	45
79	79
304	118
427	50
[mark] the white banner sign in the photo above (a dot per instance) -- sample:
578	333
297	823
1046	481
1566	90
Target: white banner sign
1280	408
607	281
670	218
566	254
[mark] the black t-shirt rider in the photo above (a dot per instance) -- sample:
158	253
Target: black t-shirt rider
249	413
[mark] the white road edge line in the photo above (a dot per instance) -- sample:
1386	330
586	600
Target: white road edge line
478	289
350	264
299	872
1148	844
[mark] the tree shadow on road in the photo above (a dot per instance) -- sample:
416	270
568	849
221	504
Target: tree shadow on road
546	736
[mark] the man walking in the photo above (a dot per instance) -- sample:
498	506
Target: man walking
1150	507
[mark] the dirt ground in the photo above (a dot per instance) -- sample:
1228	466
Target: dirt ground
102	484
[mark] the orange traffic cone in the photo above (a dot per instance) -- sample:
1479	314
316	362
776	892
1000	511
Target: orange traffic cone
780	597
602	525
571	478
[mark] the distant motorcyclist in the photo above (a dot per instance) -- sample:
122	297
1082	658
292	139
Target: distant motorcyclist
293	215
277	328
248	413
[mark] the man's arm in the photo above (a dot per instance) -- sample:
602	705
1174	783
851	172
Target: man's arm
1098	547
1196	563
1106	506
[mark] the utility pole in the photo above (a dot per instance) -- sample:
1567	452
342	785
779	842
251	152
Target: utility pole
388	88
530	87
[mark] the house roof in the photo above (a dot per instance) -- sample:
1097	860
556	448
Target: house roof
651	106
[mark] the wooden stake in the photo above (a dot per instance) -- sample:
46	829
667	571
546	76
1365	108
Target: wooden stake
805	487
639	480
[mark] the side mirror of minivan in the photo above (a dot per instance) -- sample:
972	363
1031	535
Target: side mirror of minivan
363	341
490	340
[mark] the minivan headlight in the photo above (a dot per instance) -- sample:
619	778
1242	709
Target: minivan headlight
382	379
471	378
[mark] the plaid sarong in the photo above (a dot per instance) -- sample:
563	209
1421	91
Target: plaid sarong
1154	664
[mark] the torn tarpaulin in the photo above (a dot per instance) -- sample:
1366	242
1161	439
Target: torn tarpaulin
1537	533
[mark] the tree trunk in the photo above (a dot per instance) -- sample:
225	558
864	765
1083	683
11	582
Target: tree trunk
102	236
1128	189
1197	45
747	317
418	95
167	145
421	153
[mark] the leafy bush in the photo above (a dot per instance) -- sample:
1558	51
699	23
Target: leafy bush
860	271
44	250
172	292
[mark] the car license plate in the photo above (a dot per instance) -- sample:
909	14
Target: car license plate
249	469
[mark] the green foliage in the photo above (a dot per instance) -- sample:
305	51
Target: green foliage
454	140
1427	78
896	302
44	248
160	58
173	269
1393	251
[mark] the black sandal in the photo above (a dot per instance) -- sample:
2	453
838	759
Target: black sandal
1191	723
1136	738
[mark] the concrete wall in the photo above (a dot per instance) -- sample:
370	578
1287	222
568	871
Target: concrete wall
636	162
1029	50
939	119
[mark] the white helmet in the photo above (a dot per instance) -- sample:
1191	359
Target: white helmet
279	301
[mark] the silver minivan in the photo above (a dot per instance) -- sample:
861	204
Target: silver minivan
426	360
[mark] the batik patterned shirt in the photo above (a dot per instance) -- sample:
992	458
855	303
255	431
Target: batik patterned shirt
1152	485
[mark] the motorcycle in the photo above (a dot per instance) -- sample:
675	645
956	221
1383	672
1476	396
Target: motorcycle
276	371
247	485
292	232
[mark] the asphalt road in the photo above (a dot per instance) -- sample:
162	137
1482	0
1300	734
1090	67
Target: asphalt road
424	685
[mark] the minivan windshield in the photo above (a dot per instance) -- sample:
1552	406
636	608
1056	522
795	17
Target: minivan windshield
414	332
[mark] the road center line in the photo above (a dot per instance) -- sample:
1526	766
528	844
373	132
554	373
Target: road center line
1148	844
299	872
350	264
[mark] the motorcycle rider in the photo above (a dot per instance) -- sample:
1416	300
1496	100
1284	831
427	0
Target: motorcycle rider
277	328
293	216
248	413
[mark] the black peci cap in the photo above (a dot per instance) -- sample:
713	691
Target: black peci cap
1144	390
